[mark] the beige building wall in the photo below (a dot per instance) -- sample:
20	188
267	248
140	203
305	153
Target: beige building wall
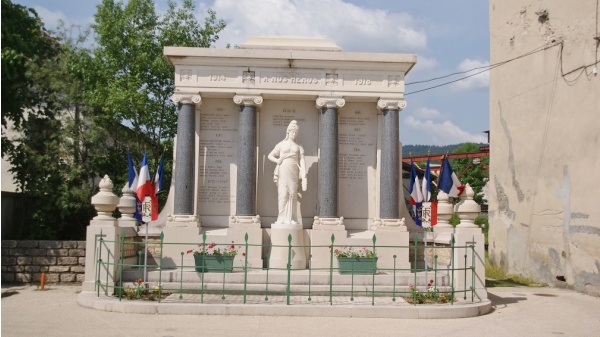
545	141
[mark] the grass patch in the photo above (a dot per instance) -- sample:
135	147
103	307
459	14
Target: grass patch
495	277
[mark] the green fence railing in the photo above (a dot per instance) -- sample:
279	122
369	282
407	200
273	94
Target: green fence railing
375	282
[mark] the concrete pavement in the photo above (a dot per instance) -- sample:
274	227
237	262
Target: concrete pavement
517	311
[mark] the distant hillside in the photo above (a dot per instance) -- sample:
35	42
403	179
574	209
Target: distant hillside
421	150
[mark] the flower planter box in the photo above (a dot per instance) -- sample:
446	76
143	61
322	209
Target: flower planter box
213	263
357	265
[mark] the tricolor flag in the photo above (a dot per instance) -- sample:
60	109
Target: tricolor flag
414	187
448	181
158	177
133	176
425	190
144	186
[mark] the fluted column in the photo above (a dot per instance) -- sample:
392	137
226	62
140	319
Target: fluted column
185	153
245	208
328	160
390	161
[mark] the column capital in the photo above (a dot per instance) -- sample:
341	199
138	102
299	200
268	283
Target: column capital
248	99
186	98
391	103
331	102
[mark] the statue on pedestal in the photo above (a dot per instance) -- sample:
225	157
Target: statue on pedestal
290	169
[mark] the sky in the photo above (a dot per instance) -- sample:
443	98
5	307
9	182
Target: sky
447	37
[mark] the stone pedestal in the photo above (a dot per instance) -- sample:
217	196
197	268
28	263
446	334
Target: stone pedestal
465	237
443	229
332	224
280	234
237	234
397	236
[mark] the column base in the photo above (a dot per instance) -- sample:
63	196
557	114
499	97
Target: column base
244	221
388	224
332	224
178	220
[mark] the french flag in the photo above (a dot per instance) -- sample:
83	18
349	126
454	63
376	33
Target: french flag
448	181
414	187
132	176
144	185
158	177
425	190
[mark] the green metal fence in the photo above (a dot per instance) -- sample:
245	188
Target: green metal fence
132	281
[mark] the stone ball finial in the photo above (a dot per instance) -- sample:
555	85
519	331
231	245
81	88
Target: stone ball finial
469	193
442	196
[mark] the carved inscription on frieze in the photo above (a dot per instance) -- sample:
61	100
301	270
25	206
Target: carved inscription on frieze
286	78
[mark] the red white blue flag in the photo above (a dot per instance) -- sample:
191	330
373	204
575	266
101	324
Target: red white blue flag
449	182
144	186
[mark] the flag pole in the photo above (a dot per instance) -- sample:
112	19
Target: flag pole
146	254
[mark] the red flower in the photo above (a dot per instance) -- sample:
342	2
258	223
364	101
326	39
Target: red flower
243	254
189	251
430	281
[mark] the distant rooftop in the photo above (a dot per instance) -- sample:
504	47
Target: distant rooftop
290	43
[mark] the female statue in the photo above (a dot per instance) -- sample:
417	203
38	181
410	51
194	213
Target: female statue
289	157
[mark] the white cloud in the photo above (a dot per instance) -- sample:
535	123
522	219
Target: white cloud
352	27
426	113
481	80
424	65
50	18
442	133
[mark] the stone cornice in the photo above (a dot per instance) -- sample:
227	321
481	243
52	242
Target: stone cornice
248	99
391	104
330	102
186	98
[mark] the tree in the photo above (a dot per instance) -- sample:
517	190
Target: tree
88	106
133	81
25	43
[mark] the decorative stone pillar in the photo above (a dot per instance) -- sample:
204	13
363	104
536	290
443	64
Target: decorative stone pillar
328	165
389	172
127	205
105	203
185	159
445	209
245	207
467	209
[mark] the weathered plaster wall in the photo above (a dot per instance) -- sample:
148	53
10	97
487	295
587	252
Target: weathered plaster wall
545	141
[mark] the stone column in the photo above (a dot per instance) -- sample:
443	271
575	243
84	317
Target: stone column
245	207
389	171
185	158
328	164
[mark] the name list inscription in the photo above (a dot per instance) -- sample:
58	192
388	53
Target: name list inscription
354	145
217	151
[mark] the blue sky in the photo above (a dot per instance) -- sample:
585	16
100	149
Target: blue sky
447	36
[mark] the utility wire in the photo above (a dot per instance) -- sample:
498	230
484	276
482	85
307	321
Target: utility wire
485	68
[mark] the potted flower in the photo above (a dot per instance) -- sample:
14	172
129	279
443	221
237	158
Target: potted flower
356	261
213	257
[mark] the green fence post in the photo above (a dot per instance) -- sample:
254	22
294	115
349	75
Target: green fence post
121	265
331	270
289	269
181	279
452	241
268	256
473	270
465	282
309	271
202	266
415	269
245	265
374	272
162	239
98	274
394	286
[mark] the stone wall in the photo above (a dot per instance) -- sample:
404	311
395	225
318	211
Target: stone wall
25	261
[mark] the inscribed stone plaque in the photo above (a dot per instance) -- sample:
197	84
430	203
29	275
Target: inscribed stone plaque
218	149
275	116
357	159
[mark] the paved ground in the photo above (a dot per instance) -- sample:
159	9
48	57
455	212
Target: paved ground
516	312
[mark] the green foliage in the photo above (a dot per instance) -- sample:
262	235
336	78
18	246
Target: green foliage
87	107
454	220
25	43
470	173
